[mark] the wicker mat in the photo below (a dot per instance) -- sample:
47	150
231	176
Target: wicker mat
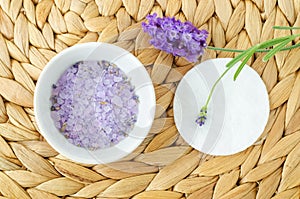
163	166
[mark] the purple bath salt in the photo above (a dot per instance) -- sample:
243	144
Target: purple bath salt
94	104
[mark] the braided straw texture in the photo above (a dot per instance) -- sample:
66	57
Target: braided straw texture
163	166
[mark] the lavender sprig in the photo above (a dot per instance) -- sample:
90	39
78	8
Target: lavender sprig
278	44
183	39
178	38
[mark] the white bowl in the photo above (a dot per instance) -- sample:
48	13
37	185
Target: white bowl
131	66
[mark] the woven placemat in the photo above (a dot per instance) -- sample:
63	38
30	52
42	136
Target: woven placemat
163	166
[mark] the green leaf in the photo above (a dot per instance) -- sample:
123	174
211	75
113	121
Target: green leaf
285	28
291	47
272	52
273	42
239	57
265	44
249	55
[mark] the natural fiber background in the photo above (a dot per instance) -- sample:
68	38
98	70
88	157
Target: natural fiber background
33	31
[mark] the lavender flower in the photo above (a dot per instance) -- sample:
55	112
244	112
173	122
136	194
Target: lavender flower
178	38
202	116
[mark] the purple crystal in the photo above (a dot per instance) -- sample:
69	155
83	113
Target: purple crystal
94	104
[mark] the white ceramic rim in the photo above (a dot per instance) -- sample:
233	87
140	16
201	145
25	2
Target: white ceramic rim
132	67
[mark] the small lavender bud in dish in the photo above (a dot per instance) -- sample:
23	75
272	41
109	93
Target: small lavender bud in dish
202	116
95	107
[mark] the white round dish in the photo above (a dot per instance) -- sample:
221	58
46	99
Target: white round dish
131	66
237	113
